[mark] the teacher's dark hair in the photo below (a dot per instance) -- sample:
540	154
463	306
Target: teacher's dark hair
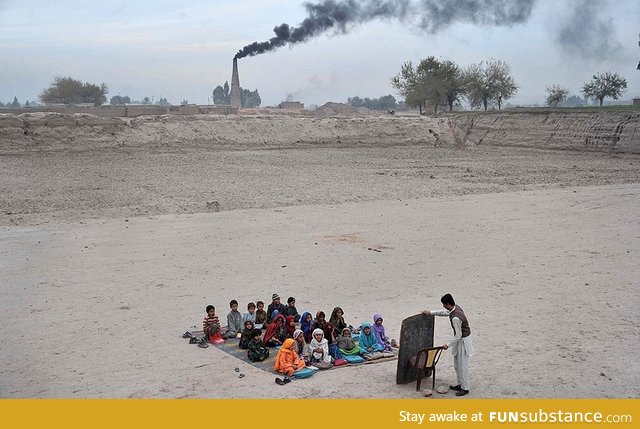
447	299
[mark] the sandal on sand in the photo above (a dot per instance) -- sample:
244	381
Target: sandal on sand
203	345
187	335
282	381
237	370
193	340
241	375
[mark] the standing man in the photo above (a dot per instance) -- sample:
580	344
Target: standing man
461	345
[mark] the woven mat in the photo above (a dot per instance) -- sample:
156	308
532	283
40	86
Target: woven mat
231	347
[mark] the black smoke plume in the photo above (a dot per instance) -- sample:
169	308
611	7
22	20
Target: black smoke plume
588	34
431	15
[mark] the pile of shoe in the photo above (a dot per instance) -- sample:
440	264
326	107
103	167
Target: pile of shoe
201	342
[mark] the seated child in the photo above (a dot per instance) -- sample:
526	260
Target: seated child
320	320
331	340
287	360
307	325
251	315
276	332
291	326
346	345
337	320
320	356
378	331
211	326
257	350
275	305
302	348
367	341
290	309
247	333
234	321
261	315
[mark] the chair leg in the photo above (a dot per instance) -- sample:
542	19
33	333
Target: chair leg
433	374
419	379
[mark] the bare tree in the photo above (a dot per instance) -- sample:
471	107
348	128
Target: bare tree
556	95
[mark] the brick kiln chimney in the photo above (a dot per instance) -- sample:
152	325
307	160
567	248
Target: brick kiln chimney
235	85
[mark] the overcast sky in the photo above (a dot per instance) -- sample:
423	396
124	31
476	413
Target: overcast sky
183	49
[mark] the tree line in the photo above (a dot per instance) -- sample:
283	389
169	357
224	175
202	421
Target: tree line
601	86
248	99
443	83
66	90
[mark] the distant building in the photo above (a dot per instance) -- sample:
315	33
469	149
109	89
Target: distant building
291	105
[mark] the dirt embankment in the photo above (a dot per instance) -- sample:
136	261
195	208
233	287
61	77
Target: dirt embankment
579	130
600	131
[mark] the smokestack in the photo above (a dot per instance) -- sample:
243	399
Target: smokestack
235	86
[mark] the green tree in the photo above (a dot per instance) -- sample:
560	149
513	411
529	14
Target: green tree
146	100
250	99
438	83
409	84
556	95
118	100
221	94
603	85
452	81
69	91
15	102
489	82
163	101
386	102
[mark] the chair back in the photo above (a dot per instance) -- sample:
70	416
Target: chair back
428	358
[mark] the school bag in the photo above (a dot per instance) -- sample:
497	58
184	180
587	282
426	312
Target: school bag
340	362
303	373
353	359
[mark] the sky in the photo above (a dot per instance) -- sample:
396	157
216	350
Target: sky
181	50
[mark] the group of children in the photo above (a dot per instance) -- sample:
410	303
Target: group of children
315	342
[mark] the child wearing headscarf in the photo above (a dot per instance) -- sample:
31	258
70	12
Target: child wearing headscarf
290	324
320	319
276	332
287	360
378	331
337	320
246	335
302	348
320	356
346	345
367	341
307	325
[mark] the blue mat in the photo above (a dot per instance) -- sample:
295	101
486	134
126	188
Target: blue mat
231	347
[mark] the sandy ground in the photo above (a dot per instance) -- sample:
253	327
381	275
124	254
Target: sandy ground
107	257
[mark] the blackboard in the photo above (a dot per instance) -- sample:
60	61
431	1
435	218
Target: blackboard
416	333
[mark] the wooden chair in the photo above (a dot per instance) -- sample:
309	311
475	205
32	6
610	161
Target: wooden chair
425	364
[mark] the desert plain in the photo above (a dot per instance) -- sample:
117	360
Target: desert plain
116	233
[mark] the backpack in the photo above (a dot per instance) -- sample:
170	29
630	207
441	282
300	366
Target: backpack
353	358
303	373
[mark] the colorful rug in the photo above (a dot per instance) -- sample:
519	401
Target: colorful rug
231	347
